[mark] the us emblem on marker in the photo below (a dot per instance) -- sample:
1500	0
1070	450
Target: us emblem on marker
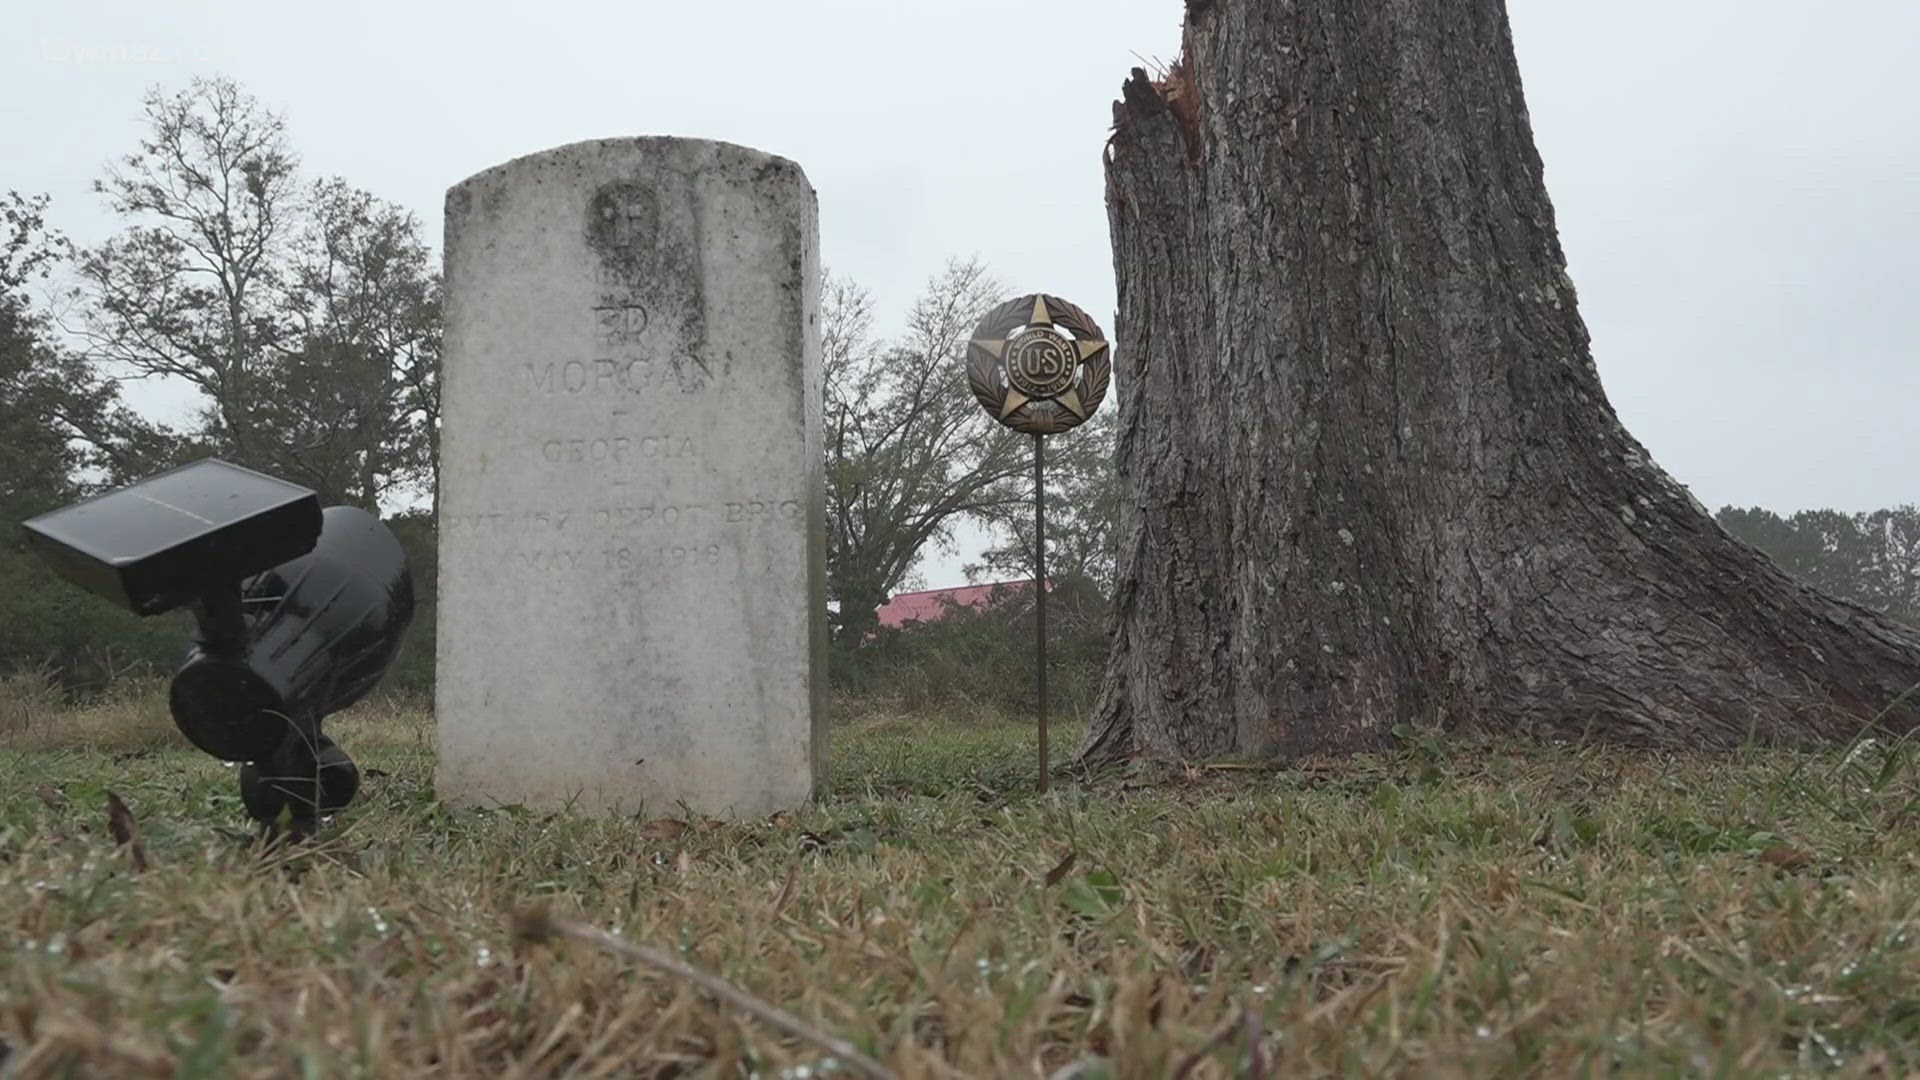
1039	364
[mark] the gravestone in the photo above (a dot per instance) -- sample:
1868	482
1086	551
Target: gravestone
632	563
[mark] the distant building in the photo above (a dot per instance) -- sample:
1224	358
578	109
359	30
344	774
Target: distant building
934	604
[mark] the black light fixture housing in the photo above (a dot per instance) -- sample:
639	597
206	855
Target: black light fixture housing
299	612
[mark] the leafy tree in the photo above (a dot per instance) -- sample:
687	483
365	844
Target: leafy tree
1896	562
909	452
59	419
1824	548
1762	528
307	318
58	423
193	287
355	405
1872	559
1083	509
37	458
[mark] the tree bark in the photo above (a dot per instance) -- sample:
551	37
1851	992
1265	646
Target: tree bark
1370	476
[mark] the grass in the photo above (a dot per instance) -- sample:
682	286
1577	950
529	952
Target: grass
1476	911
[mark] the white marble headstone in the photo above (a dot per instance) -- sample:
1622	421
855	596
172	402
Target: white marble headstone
632	609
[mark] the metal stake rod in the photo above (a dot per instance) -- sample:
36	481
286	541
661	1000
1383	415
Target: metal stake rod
1040	593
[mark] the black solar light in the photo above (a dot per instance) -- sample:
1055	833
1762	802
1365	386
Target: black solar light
299	610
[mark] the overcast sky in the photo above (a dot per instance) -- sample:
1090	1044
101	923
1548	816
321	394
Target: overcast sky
1738	181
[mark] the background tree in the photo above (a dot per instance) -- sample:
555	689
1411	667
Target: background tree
354	405
193	288
38	458
1083	511
60	421
307	319
1896	564
1871	559
1370	476
909	452
60	425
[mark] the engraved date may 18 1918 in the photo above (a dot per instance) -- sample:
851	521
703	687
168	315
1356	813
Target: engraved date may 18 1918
641	557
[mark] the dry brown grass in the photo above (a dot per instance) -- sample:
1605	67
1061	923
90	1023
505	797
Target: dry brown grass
1547	912
35	715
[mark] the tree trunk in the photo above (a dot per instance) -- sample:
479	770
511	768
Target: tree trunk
859	616
1370	474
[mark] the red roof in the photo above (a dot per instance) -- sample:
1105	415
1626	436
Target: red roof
933	604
